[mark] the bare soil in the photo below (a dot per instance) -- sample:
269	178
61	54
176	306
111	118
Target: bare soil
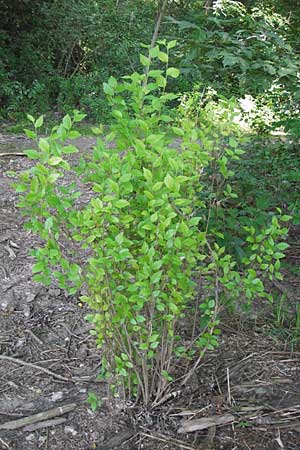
49	360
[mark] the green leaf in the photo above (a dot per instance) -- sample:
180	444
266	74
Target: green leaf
61	132
163	57
30	134
143	346
278	255
117	114
147	174
172	72
21	188
108	90
154	52
232	142
93	401
171	44
55	160
67	122
48	223
155	73
124	357
97	130
53	177
78	116
161	81
74	134
32	154
282	246
120	238
154	345
178	131
38	267
156	277
70	149
112	82
154	337
169	181
144	60
156	187
30	117
121	203
44	145
39	122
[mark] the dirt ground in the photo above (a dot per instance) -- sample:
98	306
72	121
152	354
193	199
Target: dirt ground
246	394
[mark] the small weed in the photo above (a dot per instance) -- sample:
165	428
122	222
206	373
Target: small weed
93	401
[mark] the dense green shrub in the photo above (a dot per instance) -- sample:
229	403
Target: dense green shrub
135	249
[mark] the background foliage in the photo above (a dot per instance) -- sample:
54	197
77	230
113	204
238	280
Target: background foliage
55	55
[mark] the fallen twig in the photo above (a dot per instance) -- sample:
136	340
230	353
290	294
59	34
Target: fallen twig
4	443
19	423
12	154
35	366
45	424
169	440
38	340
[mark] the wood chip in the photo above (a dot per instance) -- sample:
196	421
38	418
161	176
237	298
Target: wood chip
188	426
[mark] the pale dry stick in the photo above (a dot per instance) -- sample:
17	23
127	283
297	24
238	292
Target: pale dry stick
278	439
12	154
165	439
218	384
187	412
165	398
45	415
45	424
228	387
38	340
4	443
35	366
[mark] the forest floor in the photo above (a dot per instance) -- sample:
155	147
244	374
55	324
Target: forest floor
245	395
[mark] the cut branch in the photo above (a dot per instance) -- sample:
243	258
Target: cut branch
35	366
19	423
